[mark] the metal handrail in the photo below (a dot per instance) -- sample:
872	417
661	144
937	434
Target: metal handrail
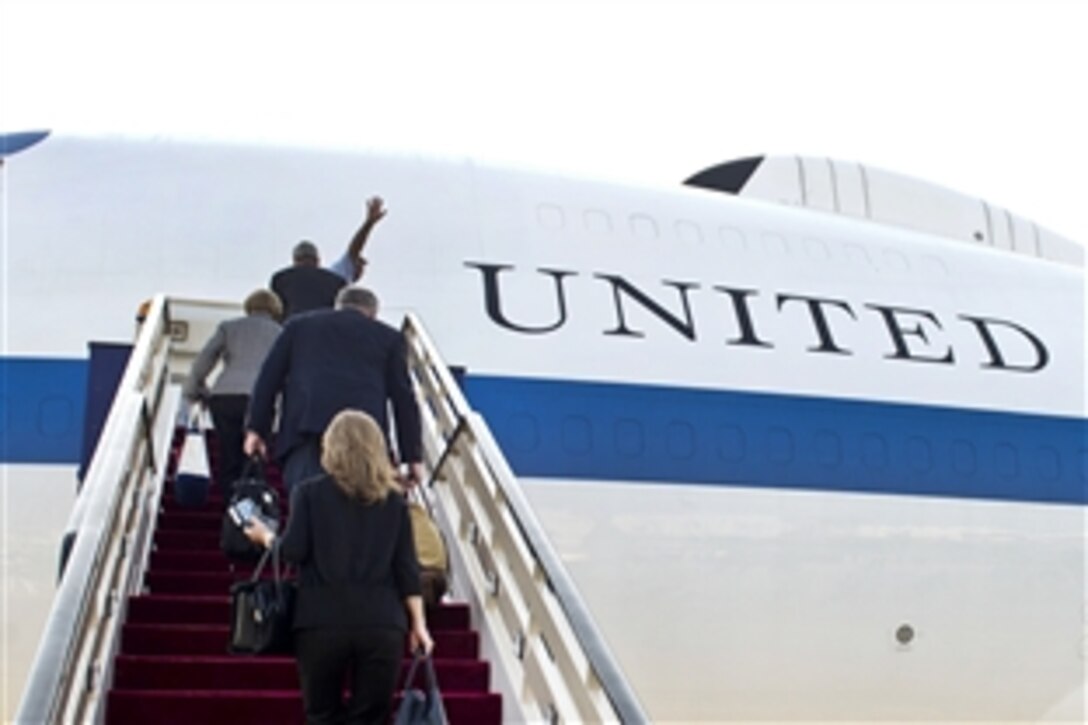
603	664
96	527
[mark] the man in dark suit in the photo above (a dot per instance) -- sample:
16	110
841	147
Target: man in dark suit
306	285
323	362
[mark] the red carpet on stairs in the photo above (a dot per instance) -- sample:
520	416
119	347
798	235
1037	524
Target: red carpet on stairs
173	668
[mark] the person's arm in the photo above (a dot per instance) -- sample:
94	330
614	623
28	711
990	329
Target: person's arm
405	409
295	541
418	635
262	402
194	387
375	212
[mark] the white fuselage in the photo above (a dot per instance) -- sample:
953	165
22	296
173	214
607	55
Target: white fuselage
801	466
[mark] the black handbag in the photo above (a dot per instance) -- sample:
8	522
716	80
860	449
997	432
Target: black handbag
262	611
421	707
253	486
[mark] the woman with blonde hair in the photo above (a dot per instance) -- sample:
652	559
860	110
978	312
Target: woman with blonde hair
241	344
358	588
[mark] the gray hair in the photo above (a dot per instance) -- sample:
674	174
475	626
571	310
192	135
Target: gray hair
358	297
305	250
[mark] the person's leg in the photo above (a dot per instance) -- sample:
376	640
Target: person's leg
302	462
323	658
377	655
228	415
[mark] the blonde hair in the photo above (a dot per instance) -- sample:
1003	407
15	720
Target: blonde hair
263	300
354	453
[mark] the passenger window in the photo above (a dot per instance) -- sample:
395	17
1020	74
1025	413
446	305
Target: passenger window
874	451
816	249
780	448
630	438
731	444
895	261
933	265
597	222
964	459
828	448
776	244
522	432
1006	461
733	240
577	435
681	439
1048	464
550	217
689	232
856	254
643	227
919	454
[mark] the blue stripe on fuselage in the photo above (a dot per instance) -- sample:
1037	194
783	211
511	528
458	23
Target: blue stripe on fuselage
601	431
607	431
42	402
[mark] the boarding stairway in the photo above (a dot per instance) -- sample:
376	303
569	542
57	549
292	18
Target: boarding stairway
138	630
172	666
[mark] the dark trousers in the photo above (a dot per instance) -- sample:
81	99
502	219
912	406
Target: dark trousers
229	417
369	658
301	462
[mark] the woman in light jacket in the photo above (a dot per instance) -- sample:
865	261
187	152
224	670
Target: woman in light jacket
358	587
242	343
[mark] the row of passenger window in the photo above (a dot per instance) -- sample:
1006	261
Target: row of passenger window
735	241
826	449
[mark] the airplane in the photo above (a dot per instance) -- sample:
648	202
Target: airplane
809	437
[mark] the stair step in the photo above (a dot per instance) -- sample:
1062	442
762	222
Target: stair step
186	540
171	672
196	519
267	707
192	560
177	609
209	639
214	502
196	583
190	520
272	476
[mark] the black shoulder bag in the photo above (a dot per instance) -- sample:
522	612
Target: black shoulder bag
262	611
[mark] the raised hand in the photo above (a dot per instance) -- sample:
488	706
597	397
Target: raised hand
375	210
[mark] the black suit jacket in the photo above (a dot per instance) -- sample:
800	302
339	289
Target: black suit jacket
302	288
329	360
357	562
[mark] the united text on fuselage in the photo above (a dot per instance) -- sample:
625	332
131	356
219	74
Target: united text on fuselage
914	334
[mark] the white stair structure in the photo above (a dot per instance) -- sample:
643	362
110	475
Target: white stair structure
548	661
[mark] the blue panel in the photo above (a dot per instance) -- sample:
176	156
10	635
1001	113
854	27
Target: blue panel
41	409
635	432
107	366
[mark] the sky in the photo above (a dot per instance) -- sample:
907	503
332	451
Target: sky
985	97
